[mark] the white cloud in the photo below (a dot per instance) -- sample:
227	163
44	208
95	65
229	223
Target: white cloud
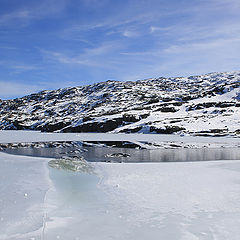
217	55
196	37
70	60
92	57
154	29
13	89
130	34
20	14
27	14
212	45
24	67
18	67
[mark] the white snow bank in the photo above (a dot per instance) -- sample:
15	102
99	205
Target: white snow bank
188	201
23	184
199	200
12	136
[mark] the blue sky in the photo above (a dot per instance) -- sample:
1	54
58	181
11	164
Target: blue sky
51	44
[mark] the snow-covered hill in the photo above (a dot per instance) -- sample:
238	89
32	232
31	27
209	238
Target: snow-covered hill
198	105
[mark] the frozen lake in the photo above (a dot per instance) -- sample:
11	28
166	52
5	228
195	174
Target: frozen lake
106	154
122	201
35	136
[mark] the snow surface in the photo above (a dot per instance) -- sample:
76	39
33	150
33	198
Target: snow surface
174	201
188	201
24	182
12	136
197	200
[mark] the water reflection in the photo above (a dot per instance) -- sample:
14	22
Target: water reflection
103	154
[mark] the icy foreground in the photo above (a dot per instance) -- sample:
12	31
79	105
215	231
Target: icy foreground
206	105
24	183
188	201
176	201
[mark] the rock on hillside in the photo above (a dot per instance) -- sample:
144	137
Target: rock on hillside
198	105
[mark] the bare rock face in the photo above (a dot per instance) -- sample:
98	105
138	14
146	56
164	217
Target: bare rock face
184	105
166	130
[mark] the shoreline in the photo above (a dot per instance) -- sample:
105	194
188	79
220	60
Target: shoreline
17	136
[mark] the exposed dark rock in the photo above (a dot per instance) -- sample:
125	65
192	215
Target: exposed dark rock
167	99
167	129
131	130
237	131
153	100
225	104
211	104
108	106
106	126
118	155
57	144
166	109
54	127
118	144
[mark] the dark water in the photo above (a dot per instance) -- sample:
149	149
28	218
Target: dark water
101	154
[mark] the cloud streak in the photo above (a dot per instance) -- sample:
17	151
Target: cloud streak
91	57
72	41
16	89
25	14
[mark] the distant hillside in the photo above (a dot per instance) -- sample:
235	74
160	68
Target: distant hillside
198	105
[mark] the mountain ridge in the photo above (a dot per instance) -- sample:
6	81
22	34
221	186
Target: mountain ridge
206	105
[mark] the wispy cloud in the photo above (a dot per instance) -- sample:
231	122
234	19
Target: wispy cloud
130	34
63	58
92	57
97	40
154	29
25	67
16	15
125	19
188	59
4	47
15	89
19	67
209	45
26	14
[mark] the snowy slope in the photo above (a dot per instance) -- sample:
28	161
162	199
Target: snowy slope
206	105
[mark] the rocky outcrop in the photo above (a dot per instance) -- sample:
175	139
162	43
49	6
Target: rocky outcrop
184	105
166	129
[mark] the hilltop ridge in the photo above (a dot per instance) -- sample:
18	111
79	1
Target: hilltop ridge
206	105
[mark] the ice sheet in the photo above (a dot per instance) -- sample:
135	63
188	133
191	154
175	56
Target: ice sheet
199	200
189	201
23	185
12	136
